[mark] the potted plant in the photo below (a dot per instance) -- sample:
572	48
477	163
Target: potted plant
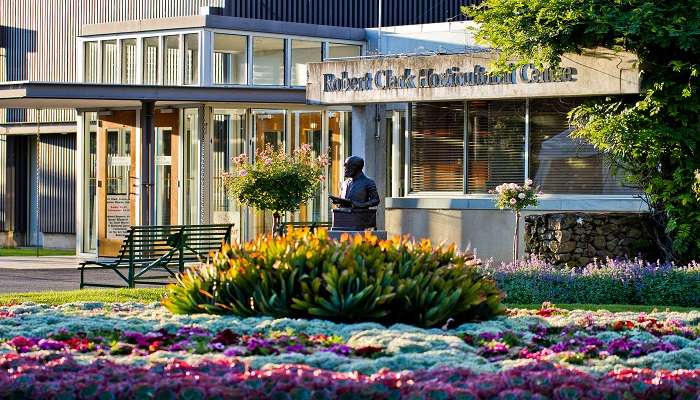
276	181
516	198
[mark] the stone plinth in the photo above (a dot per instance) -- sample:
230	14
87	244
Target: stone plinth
354	219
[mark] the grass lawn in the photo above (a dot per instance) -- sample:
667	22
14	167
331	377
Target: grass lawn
148	295
29	252
609	307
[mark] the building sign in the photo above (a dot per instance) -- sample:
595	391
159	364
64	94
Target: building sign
451	77
467	76
118	216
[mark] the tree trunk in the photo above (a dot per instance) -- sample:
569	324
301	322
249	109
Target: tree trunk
516	237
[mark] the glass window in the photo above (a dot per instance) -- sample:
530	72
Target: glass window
118	161
437	147
496	144
341	50
307	130
228	141
269	129
163	175
192	59
303	52
90	62
171	60
89	244
340	141
230	59
129	61
191	162
268	61
560	164
109	62
150	60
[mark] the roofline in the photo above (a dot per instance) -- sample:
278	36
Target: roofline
60	94
223	22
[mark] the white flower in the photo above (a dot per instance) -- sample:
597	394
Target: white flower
521	195
528	182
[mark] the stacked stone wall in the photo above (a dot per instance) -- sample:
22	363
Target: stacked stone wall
576	239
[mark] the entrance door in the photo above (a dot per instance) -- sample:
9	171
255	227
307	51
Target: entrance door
228	140
166	173
116	187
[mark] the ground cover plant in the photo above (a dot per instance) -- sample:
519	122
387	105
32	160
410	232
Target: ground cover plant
133	350
603	282
358	278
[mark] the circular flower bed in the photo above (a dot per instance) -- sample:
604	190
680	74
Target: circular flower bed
133	350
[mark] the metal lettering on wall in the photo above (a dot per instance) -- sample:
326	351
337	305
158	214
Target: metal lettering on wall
451	77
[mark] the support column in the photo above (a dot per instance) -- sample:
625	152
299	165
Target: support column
147	162
369	142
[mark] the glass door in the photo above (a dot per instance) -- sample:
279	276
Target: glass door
308	131
228	141
269	128
89	244
191	156
163	176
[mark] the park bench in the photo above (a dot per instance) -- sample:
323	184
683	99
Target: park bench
161	249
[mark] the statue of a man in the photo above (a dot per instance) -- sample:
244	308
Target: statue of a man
357	191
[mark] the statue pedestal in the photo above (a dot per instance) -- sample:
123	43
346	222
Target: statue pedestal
354	219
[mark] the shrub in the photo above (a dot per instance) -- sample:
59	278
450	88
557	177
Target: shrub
609	282
360	278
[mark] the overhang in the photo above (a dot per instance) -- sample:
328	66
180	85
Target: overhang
224	22
43	95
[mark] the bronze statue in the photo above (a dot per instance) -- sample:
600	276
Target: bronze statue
357	195
357	191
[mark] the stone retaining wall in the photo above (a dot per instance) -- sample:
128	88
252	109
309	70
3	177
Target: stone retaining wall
576	239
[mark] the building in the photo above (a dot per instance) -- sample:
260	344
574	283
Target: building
131	115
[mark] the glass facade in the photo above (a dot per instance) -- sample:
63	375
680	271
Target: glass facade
191	158
303	52
171	60
472	147
110	62
151	46
129	60
228	141
89	244
191	59
91	69
230	59
342	50
268	61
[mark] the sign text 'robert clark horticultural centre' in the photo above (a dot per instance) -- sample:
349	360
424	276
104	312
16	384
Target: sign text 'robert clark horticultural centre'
467	76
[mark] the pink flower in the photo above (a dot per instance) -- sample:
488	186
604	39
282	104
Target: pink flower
242	173
322	178
513	201
267	161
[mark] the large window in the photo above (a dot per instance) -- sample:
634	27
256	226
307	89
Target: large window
496	144
129	61
171	60
437	147
303	52
90	62
230	59
268	61
150	60
191	59
341	50
501	142
228	141
110	62
561	164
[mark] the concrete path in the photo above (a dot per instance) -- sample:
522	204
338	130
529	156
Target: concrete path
38	274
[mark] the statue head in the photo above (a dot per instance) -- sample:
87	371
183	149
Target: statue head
353	166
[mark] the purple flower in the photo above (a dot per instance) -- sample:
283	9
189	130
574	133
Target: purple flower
233	351
296	348
339	349
50	344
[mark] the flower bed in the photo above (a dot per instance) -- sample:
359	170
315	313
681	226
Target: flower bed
606	282
132	350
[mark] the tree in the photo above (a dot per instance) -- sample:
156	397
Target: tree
652	138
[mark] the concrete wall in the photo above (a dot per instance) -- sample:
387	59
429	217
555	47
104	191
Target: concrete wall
58	241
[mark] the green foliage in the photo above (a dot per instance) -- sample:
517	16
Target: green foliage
360	278
653	138
147	295
276	181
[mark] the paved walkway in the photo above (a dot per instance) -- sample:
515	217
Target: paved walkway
38	274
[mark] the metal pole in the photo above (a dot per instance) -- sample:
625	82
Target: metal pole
38	177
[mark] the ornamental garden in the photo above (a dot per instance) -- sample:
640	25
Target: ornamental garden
308	313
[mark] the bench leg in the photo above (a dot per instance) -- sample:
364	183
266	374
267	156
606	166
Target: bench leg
82	279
